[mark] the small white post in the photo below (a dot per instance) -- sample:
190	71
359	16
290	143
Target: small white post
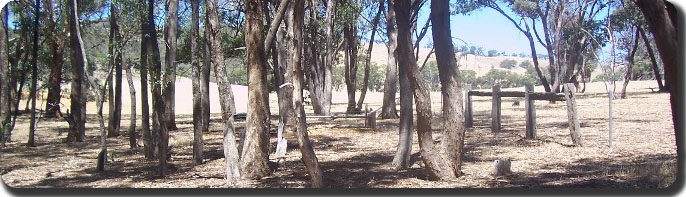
610	96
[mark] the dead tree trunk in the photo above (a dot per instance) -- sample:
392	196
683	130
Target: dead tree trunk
629	65
77	130
34	77
573	117
114	123
226	101
132	123
170	28
295	34
388	110
255	153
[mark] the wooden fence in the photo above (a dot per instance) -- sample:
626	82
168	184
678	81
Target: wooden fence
529	97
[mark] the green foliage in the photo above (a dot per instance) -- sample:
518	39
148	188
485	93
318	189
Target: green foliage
508	64
377	75
237	71
525	7
492	53
526	64
505	78
608	76
468	76
430	76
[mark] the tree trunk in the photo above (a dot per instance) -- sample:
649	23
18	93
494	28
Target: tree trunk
159	119
197	92
206	66
99	92
452	140
148	143
170	28
436	166
365	81
132	93
653	61
321	96
5	101
405	127
114	124
629	65
56	44
295	34
388	110
255	153
285	93
665	33
350	34
226	101
77	131
34	78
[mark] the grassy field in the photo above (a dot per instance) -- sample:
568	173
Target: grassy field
644	152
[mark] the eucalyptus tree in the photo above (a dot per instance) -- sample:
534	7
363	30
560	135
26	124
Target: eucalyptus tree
77	119
34	76
115	55
17	71
170	30
56	32
216	60
5	102
661	18
437	159
296	20
255	153
370	46
198	120
322	56
388	109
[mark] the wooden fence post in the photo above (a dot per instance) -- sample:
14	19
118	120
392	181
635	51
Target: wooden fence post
372	120
468	120
570	96
495	109
530	112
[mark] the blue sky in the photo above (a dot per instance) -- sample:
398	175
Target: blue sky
486	28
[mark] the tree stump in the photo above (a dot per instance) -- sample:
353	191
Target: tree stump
501	168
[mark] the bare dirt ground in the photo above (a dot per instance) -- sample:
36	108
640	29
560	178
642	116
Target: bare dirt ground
351	156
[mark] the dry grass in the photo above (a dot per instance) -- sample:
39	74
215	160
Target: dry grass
644	152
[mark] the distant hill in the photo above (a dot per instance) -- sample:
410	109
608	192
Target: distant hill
479	64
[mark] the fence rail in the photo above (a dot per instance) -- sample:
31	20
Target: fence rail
530	97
